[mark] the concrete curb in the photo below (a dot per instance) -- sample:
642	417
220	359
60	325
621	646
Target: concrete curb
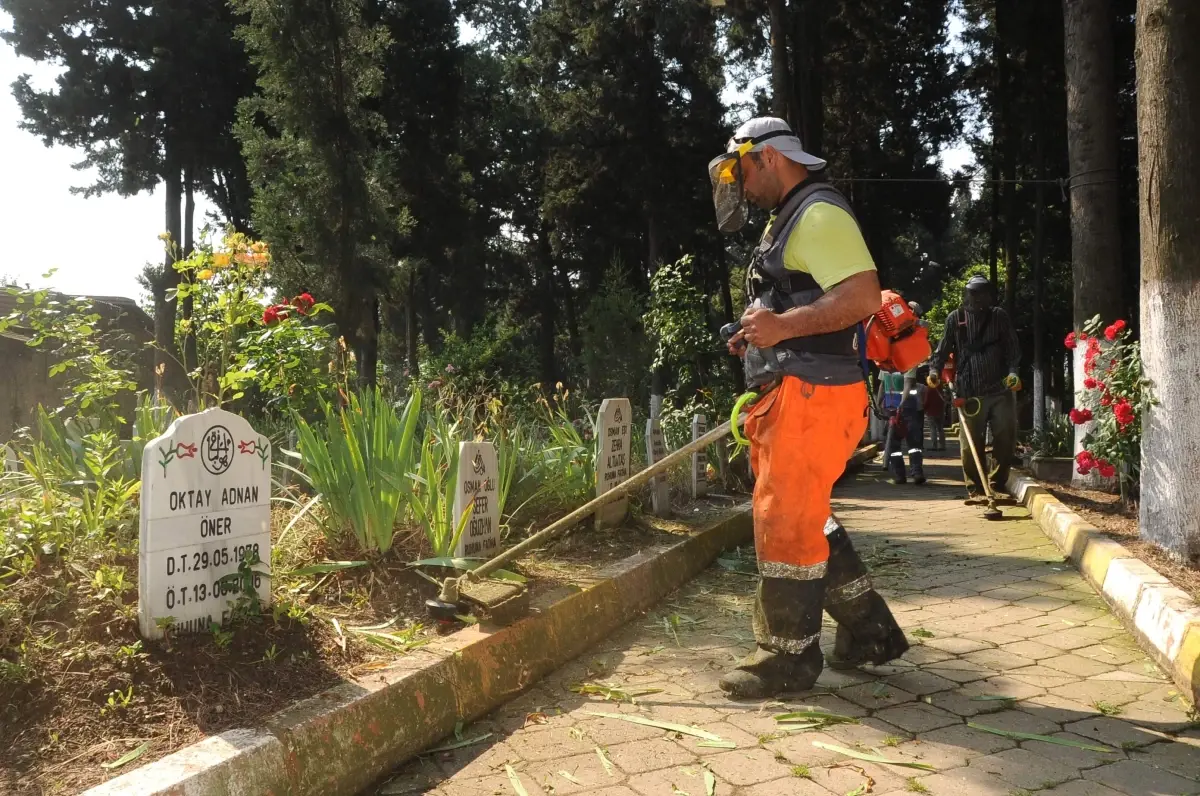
1164	619
343	740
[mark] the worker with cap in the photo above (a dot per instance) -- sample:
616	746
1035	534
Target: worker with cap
984	343
809	283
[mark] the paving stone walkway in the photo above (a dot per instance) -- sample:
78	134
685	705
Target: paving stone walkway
1005	635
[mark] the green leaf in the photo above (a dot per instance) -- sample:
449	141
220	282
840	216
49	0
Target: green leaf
515	780
326	566
872	758
662	725
126	758
450	747
1031	736
811	714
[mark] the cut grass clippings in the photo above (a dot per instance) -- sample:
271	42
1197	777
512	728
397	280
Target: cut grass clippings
868	758
1032	736
695	732
126	758
515	780
612	693
813	717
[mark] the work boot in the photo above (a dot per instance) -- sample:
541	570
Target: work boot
787	627
896	468
916	461
867	632
766	674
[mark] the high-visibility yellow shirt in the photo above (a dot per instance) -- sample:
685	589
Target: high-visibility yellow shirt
827	244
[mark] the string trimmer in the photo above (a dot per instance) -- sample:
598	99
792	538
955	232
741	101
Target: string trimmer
991	512
504	600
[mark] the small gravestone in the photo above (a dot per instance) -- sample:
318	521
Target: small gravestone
699	459
660	486
477	483
206	505
613	428
12	463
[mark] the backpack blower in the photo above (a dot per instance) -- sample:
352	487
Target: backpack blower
892	338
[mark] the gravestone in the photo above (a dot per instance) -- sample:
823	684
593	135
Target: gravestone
660	486
699	459
206	505
478	482
613	433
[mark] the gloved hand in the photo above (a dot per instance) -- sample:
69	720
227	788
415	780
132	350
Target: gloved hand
933	381
1013	382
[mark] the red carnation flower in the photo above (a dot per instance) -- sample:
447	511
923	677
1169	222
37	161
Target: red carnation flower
1090	383
1080	416
1071	341
303	303
1107	470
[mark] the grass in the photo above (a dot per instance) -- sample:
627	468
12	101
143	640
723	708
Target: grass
892	740
1107	708
921	632
802	772
914	785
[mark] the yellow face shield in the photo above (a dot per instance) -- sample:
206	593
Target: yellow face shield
729	196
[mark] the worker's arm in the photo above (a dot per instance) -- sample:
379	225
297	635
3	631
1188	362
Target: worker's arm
1012	346
844	305
945	347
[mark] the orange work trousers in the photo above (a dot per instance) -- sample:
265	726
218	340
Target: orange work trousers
801	436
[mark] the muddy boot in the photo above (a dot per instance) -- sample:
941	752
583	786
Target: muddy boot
917	466
787	627
867	632
896	468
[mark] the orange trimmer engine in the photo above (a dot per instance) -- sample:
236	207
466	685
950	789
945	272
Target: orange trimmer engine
895	341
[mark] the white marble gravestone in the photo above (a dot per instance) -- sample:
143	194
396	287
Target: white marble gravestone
478	481
660	486
699	458
613	434
206	503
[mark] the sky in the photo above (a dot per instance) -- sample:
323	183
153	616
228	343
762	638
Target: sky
99	245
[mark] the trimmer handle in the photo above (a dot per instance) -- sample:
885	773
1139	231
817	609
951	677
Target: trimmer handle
729	330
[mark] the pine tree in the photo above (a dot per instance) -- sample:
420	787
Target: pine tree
311	144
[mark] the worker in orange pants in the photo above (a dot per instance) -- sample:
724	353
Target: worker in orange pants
809	283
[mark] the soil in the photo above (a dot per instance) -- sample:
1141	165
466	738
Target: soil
91	691
1106	512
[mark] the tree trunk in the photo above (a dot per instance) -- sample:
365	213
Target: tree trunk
568	294
1039	321
807	61
548	311
190	355
994	225
166	354
1168	95
367	351
1092	149
410	327
735	363
780	75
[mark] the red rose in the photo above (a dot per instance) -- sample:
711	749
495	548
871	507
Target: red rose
1071	341
1085	458
1080	416
270	316
1090	383
303	303
1106	400
1124	412
1107	470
